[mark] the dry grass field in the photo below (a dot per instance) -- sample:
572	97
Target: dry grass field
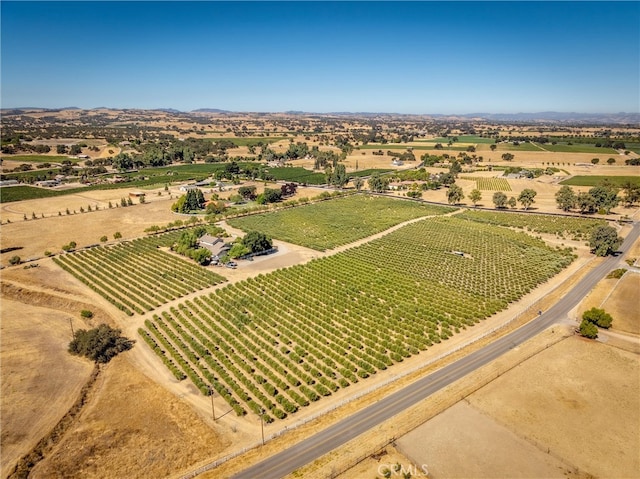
40	380
563	400
132	427
550	416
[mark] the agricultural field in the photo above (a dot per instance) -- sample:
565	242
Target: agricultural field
594	180
18	193
328	224
578	148
282	340
299	175
574	228
135	275
489	184
38	158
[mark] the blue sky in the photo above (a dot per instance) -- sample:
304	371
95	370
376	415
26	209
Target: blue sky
414	57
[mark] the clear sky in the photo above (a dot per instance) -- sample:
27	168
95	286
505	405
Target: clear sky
414	57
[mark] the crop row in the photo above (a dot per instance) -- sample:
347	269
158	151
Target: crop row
340	221
492	184
561	226
280	341
136	276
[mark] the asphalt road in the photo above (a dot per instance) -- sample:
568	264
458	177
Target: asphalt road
285	462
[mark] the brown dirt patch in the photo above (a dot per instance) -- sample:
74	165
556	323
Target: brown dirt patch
462	442
624	304
578	399
40	380
131	428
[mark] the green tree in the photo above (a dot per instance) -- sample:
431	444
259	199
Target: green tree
455	195
70	246
257	242
585	202
378	183
588	330
358	183
455	168
75	150
15	260
117	235
475	196
338	177
631	192
566	198
599	317
604	240
237	250
512	202
201	255
103	238
493	147
507	156
526	197
61	149
272	195
605	197
247	192
500	199
99	344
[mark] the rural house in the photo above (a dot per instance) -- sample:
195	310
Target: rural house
215	245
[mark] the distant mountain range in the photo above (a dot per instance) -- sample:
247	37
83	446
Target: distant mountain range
545	116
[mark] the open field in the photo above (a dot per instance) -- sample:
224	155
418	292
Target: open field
533	417
132	427
619	298
328	224
37	392
594	180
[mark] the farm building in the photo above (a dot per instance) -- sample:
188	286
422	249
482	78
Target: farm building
47	183
214	244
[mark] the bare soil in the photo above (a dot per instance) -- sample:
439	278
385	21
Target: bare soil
563	401
463	442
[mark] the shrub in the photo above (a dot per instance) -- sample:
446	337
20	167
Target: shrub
617	273
15	260
588	329
599	317
85	313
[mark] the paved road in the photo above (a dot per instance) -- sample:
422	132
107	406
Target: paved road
349	428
